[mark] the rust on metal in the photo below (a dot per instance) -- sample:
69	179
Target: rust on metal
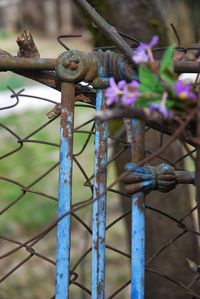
67	108
100	287
23	63
162	177
75	66
139	202
27	46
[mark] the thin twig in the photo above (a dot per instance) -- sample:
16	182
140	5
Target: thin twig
109	31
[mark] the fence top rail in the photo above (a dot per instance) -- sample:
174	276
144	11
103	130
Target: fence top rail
9	63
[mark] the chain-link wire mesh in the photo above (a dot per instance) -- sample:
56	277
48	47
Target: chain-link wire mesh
29	175
29	187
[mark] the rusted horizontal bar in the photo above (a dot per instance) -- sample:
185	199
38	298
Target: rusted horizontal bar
21	63
187	67
42	64
185	177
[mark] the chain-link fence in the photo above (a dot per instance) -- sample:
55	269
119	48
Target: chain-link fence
92	244
29	175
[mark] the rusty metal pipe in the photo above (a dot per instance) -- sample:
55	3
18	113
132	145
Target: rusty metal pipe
29	64
65	191
42	64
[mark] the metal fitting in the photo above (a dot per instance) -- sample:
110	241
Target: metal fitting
76	66
162	178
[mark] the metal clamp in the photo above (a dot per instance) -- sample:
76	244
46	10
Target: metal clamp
76	66
163	178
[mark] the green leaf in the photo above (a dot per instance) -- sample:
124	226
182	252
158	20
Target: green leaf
149	82
170	103
166	67
141	102
176	104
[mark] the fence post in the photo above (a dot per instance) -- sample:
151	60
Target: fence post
65	191
99	206
138	218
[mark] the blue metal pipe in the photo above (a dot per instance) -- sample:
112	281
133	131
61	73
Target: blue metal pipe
99	206
138	218
100	177
65	191
138	247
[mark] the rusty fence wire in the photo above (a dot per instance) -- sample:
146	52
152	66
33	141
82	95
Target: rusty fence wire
29	183
25	246
29	190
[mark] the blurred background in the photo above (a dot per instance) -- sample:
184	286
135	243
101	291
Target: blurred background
46	20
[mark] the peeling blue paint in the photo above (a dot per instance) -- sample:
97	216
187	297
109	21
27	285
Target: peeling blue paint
99	207
144	175
138	214
165	166
64	205
138	247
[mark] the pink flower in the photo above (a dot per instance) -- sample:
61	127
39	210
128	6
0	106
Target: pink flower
183	91
131	93
126	92
143	53
115	90
162	106
159	108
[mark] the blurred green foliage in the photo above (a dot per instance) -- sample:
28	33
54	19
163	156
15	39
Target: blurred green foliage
11	80
33	211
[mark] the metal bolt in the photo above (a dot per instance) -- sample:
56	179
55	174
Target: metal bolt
73	66
66	63
71	63
75	59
